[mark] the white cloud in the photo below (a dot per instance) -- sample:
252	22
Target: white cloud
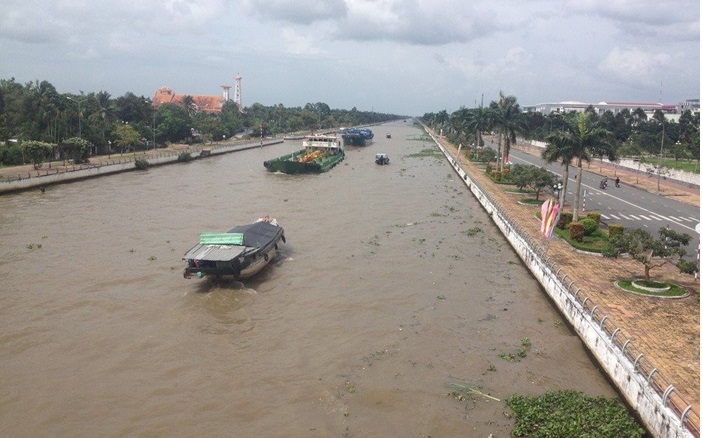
635	65
406	56
301	12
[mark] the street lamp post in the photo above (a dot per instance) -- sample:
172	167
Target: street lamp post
660	158
80	126
557	189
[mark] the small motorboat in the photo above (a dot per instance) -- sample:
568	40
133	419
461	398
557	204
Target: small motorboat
382	159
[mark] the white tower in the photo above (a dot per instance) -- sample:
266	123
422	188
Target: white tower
237	93
225	92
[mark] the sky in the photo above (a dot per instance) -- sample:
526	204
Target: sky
405	57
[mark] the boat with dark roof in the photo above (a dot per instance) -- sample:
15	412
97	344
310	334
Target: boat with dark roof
239	254
357	136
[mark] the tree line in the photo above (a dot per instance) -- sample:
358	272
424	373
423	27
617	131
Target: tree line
75	126
571	137
633	133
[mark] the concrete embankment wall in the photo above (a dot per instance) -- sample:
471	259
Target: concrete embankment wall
660	420
46	177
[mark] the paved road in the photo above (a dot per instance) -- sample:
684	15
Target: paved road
626	205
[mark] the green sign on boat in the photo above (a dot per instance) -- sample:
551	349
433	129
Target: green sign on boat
221	239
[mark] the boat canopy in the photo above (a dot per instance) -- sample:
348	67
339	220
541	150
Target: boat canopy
257	234
222	246
214	253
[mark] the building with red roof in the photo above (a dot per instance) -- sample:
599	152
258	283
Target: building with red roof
200	103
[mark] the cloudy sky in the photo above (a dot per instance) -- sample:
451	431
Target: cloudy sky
404	57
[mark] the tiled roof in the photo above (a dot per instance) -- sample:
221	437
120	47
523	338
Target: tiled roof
209	104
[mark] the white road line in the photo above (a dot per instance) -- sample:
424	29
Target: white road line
618	199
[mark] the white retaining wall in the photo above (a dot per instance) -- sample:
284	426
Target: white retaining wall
660	420
107	169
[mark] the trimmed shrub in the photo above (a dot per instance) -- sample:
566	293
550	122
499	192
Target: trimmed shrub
564	220
577	231
595	216
589	226
615	230
184	157
488	169
141	164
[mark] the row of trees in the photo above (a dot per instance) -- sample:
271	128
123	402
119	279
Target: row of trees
36	111
571	137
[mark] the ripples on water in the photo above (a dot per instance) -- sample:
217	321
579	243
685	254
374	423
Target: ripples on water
384	294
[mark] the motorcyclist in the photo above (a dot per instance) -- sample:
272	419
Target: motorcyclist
616	182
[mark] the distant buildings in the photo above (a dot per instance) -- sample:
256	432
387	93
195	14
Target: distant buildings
200	103
600	108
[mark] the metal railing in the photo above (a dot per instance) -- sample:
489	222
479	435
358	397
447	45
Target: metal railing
670	397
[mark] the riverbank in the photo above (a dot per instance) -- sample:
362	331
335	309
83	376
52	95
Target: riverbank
26	177
649	347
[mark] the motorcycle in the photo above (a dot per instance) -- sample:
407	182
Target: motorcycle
603	184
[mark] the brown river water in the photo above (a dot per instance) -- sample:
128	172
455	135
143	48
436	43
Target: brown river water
393	293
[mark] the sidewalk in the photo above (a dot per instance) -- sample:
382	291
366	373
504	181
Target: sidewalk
665	331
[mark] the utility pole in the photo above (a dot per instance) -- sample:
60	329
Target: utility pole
660	158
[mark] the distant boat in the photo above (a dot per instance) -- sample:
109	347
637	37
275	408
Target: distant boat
319	153
238	254
357	136
382	159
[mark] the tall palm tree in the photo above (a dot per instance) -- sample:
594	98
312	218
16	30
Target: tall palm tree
507	118
560	148
584	139
104	113
477	122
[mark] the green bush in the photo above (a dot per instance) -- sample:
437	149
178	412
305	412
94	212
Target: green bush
589	226
595	216
577	231
184	157
688	267
141	164
564	220
615	230
488	169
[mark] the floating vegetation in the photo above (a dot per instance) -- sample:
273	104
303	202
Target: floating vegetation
571	413
33	246
461	388
472	232
429	152
152	258
520	354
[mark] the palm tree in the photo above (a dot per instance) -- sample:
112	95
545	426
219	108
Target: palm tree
104	113
477	122
560	148
506	117
584	139
189	104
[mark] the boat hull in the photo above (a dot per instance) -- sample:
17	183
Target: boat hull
290	164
